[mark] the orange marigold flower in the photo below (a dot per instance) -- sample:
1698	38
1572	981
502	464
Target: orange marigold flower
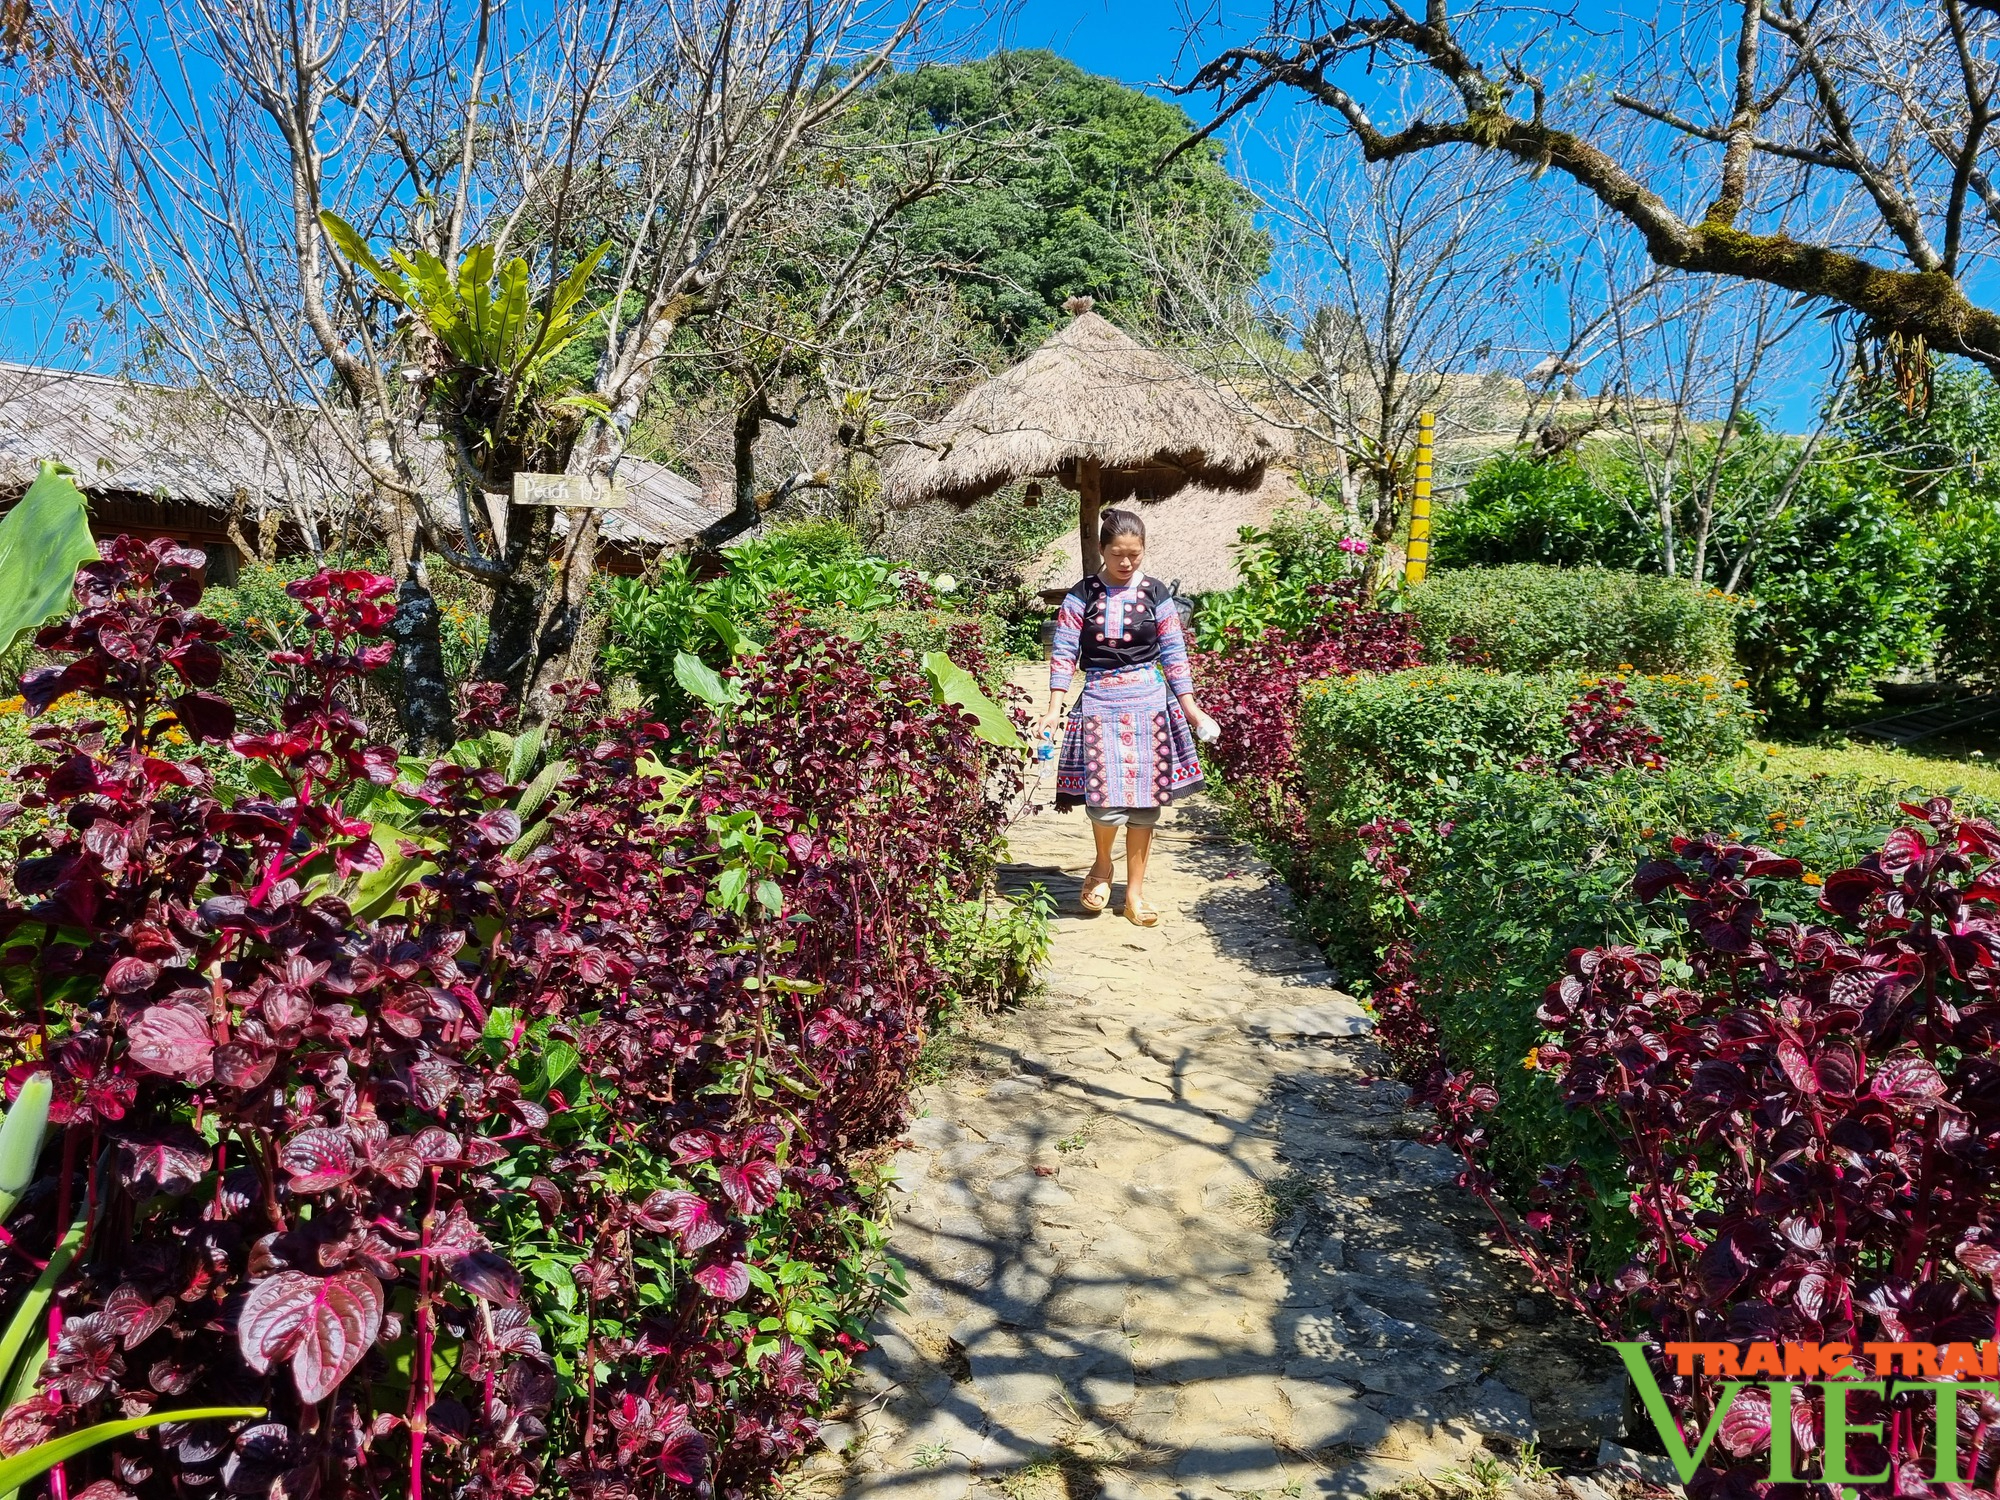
1811	879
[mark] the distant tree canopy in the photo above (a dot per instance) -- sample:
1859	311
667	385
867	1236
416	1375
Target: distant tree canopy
1050	220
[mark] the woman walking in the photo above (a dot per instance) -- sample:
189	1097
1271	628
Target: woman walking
1127	747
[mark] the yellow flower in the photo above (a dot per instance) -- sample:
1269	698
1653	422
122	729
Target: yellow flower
1533	1061
1624	666
1814	879
13	705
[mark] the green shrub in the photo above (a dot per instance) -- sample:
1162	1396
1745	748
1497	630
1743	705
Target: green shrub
1538	865
676	608
1527	618
1516	510
1439	723
1393	745
818	541
993	949
1844	589
1968	591
922	630
1286	573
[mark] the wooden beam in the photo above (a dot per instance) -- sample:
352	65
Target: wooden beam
1088	505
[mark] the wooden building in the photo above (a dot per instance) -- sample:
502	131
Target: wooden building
159	461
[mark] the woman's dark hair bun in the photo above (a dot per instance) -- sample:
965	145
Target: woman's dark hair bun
1117	523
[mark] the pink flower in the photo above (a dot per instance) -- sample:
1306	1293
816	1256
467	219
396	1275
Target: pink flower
1353	544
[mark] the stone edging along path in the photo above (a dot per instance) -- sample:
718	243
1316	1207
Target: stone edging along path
1169	1232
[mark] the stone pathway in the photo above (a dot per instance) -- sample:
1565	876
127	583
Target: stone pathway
1170	1233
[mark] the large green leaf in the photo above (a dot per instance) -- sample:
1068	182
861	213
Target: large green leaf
571	291
951	683
701	681
730	634
27	1320
355	248
42	541
38	1460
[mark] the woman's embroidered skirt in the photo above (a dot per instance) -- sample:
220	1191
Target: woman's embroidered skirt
1126	743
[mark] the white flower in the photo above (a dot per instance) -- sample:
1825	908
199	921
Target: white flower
944	583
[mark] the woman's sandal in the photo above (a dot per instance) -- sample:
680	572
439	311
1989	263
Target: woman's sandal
1142	915
1096	895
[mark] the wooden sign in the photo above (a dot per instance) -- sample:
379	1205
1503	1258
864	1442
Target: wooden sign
569	492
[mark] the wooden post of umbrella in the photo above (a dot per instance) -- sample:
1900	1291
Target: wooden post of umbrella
1419	560
1089	504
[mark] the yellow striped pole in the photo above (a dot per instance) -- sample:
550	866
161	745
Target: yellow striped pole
1419	560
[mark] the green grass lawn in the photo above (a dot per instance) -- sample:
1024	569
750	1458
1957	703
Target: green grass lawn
1933	768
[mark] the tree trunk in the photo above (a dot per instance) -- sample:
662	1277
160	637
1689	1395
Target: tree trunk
563	648
423	703
743	496
1388	518
512	623
1089	506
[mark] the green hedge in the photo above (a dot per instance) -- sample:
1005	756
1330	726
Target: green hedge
1527	618
1538	865
1439	722
1393	744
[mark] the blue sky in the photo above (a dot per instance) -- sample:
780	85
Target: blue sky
1138	42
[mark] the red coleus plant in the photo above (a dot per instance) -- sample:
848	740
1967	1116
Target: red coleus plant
328	1088
1250	686
1605	731
1809	1116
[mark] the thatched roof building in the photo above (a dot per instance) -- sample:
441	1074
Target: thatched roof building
163	461
1190	538
1094	410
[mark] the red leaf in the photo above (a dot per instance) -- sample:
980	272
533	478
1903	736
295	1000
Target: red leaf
318	1160
751	1186
170	1162
1747	1426
687	1215
205	716
1848	891
132	1316
1984	1259
1838	1069
693	1145
173	1040
728	1280
1655	876
1816	1292
1907	1078
1798	1067
130	976
324	1325
484	1273
238	1065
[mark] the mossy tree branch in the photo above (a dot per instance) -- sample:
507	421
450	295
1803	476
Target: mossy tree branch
1923	298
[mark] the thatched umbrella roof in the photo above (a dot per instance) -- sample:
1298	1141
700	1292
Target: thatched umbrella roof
1094	410
1190	537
